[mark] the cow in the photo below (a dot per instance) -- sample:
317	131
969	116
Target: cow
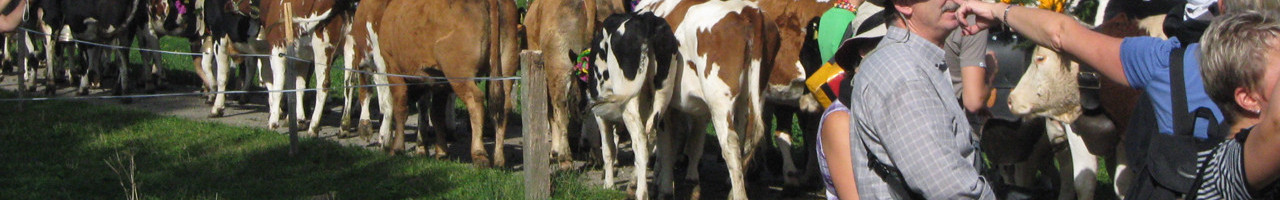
557	28
225	28
1053	87
178	18
725	50
454	39
105	22
630	84
786	94
319	28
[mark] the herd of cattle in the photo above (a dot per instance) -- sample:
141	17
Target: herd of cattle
656	69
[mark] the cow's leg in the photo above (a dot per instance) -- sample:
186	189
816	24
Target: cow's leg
607	148
49	46
783	138
666	160
640	145
1122	175
1079	182
694	147
383	92
365	126
92	55
349	80
206	67
223	67
398	115
299	76
469	92
1084	165
437	113
560	108
278	77
28	72
320	46
150	59
497	101
722	117
123	77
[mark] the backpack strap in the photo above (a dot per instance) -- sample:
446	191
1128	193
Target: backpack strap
1182	123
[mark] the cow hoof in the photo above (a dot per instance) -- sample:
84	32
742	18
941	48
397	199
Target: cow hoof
273	125
216	113
499	162
314	132
420	151
480	161
566	165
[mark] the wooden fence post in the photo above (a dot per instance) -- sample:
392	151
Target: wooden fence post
537	145
292	98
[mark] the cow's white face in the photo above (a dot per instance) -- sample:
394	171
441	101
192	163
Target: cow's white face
618	60
1048	89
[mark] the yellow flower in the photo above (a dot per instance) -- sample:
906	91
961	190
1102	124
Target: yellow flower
1054	5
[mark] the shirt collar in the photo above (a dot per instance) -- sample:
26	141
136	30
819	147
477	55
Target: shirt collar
929	51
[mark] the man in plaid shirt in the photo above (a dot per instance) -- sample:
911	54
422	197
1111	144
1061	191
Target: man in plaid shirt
910	138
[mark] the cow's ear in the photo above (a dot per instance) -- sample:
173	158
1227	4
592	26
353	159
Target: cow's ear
573	56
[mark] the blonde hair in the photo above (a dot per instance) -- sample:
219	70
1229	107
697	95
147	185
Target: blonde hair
1233	6
1233	54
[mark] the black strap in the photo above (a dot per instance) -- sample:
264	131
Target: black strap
1182	124
891	175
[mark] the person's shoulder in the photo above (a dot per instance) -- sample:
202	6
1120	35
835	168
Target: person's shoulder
1150	43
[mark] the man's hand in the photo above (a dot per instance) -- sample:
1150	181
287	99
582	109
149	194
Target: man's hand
985	15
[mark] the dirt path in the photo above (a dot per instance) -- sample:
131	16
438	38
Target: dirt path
713	184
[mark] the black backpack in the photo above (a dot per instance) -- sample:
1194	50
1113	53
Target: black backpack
1165	165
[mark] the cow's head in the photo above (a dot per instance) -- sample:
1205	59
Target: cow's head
1049	88
628	53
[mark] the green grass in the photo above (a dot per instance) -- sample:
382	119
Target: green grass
58	150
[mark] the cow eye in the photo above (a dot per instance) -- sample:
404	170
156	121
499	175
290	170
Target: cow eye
1039	58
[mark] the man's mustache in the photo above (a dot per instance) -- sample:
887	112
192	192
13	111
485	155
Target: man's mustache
950	6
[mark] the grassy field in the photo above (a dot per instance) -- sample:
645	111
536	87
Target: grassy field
62	150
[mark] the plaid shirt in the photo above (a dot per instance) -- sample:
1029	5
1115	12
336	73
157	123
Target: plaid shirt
905	115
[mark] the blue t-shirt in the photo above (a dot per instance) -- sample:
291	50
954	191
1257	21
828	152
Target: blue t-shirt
1146	65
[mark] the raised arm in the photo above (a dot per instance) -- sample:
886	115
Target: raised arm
10	20
1054	30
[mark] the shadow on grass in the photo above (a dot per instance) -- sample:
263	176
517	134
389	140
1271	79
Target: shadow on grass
58	150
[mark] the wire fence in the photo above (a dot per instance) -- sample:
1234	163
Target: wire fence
430	79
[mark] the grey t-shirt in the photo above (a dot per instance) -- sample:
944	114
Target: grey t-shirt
964	51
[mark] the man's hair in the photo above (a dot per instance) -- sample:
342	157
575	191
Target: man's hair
1233	55
1233	6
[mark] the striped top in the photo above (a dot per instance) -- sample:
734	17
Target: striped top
1223	175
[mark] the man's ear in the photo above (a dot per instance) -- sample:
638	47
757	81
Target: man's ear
1247	100
902	9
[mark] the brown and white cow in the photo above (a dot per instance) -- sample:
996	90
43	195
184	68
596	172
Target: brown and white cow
454	39
1051	88
559	27
318	27
725	48
786	94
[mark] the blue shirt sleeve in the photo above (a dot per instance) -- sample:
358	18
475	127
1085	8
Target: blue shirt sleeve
1144	57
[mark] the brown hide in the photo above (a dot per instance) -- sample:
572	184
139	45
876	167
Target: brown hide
559	28
449	39
792	18
273	17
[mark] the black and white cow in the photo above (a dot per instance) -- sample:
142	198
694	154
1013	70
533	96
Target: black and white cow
111	22
630	83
